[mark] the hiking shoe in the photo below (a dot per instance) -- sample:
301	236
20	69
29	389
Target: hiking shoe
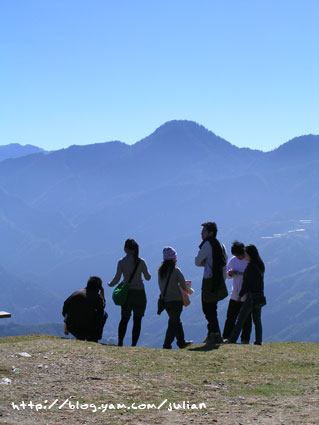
185	344
210	339
257	343
214	338
244	341
206	339
218	338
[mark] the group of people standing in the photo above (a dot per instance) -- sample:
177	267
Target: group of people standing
84	314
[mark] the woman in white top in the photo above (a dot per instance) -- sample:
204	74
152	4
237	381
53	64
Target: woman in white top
136	298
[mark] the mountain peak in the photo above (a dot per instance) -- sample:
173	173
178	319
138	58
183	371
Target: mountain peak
182	125
15	150
181	135
299	147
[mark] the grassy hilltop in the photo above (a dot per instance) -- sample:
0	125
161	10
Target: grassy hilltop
228	384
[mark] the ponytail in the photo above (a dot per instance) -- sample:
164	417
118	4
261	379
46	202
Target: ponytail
165	268
132	246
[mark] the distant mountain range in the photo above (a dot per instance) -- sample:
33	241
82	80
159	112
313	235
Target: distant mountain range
15	150
65	215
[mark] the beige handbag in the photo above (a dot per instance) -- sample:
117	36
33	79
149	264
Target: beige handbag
185	297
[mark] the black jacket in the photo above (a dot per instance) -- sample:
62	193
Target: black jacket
253	280
83	311
219	257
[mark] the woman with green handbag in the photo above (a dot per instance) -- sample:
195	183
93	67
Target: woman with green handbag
131	267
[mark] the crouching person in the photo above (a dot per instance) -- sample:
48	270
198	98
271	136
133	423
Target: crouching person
83	311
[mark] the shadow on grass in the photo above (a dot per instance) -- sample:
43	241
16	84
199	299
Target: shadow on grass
72	338
205	348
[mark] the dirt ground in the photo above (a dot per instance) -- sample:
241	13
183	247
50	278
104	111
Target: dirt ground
73	382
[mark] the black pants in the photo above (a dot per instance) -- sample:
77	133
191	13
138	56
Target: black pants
247	308
232	314
210	311
92	331
175	327
136	303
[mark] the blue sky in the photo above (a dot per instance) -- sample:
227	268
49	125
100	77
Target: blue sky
81	72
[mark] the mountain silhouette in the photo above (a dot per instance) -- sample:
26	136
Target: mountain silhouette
15	150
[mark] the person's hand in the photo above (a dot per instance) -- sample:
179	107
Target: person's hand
238	299
203	263
231	272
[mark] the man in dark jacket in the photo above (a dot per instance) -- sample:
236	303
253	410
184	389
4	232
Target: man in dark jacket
213	257
83	311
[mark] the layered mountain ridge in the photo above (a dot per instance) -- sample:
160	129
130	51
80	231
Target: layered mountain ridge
66	214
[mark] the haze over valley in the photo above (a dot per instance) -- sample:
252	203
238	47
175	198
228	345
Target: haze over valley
64	216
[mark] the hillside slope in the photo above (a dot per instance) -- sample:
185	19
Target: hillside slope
73	382
64	216
15	150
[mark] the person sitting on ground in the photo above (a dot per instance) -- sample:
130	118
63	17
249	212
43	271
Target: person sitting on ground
235	271
83	311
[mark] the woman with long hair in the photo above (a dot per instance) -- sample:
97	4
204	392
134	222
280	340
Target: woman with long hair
253	286
83	311
132	267
170	278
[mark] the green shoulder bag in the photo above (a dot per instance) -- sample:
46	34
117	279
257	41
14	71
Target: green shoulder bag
119	295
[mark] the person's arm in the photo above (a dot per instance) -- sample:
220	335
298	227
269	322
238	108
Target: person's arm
100	303
117	276
65	307
102	296
145	271
181	279
161	283
202	255
230	271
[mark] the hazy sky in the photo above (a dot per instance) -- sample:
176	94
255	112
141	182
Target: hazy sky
81	72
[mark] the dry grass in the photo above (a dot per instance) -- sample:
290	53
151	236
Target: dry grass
239	384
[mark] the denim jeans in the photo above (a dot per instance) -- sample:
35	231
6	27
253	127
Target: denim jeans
245	310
